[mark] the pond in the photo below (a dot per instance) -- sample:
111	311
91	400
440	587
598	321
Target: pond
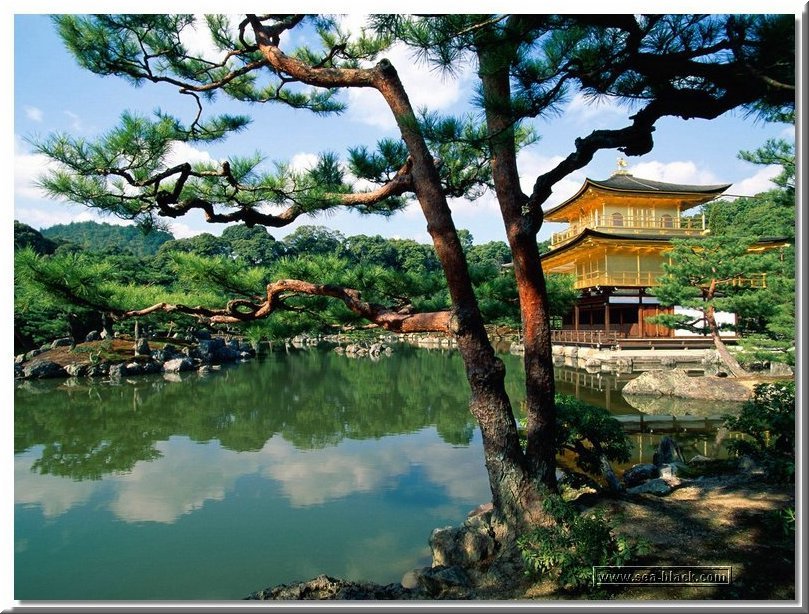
276	470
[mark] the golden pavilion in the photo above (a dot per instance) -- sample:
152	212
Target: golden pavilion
617	232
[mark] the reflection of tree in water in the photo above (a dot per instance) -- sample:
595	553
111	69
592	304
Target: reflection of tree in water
312	399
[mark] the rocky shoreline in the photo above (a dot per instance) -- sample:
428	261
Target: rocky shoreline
664	502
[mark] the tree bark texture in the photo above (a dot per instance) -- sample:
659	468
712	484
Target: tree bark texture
521	230
736	370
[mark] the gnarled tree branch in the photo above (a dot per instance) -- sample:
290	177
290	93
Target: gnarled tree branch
242	310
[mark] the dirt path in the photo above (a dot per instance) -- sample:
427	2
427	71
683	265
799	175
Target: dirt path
728	520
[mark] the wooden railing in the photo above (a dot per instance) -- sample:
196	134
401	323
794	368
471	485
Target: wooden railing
643	279
591	337
630	225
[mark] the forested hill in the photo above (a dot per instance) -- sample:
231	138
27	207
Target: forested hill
108	238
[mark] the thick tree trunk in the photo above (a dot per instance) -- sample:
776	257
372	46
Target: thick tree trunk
514	493
521	230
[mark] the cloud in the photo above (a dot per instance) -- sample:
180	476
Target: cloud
183	480
55	495
33	113
596	112
197	38
27	168
183	231
183	152
680	171
76	124
425	87
531	164
303	161
187	475
760	182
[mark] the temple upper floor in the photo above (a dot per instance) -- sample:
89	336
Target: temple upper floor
628	205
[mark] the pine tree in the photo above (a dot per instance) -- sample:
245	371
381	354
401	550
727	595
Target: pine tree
664	65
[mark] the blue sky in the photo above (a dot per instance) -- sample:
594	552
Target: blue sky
53	94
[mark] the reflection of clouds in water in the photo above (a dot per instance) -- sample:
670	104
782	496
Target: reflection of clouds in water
56	495
316	476
188	474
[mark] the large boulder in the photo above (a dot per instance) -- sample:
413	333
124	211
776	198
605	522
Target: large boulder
76	369
464	546
658	487
779	368
142	347
42	369
439	581
637	474
675	406
178	364
677	383
668	451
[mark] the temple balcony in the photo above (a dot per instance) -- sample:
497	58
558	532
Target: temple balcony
664	225
643	279
648	279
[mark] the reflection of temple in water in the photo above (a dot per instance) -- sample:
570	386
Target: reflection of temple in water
696	434
600	389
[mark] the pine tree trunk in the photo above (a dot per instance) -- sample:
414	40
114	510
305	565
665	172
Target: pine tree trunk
521	233
736	370
515	496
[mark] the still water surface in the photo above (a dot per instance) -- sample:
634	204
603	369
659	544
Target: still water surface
273	471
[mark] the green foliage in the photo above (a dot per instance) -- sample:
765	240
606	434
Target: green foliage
589	432
782	522
108	238
768	419
567	550
711	273
25	236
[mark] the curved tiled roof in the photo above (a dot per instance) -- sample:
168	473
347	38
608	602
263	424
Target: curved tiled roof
630	183
623	182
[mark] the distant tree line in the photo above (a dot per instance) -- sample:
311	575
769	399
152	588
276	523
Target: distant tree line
122	260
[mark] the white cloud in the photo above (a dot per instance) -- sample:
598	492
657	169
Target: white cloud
531	165
27	168
680	171
183	152
187	475
197	39
63	213
425	87
179	483
760	182
303	161
55	495
183	231
593	111
76	124
33	113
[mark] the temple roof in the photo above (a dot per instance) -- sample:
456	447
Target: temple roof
628	182
625	183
